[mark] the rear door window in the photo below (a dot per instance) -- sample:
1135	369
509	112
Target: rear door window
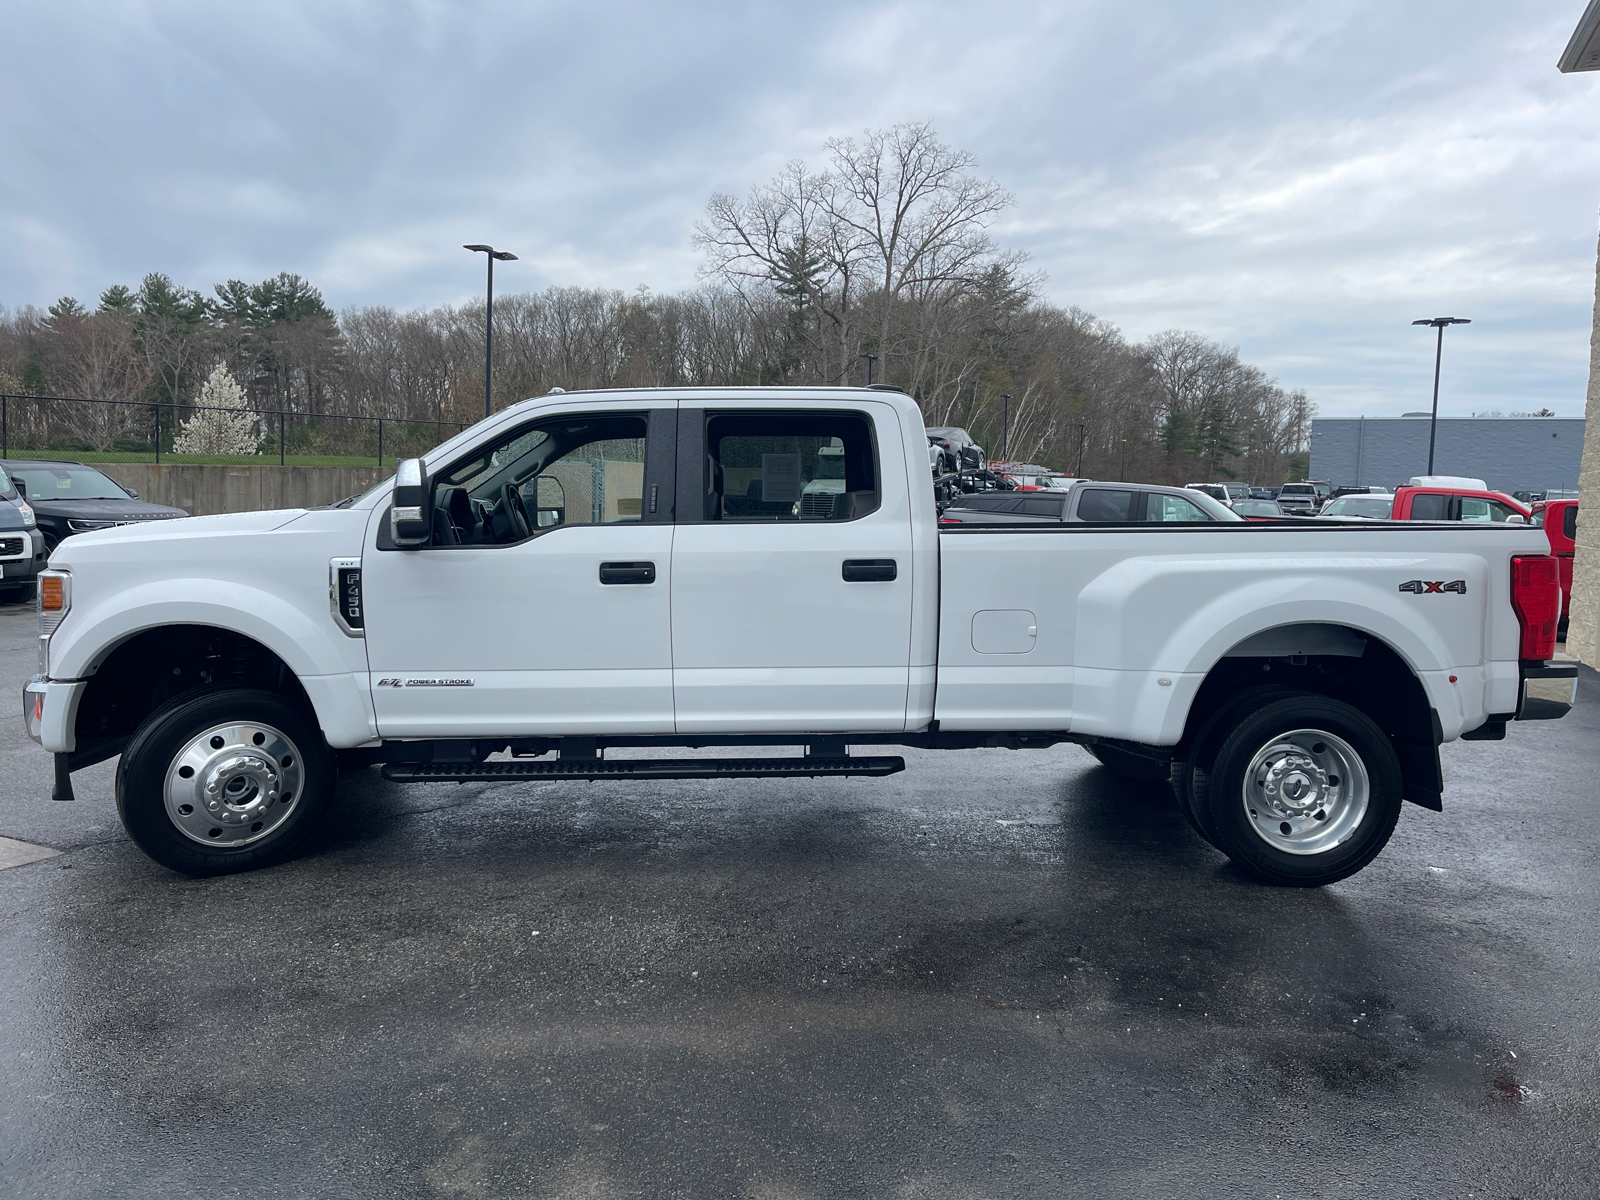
1431	506
1569	524
1106	505
775	466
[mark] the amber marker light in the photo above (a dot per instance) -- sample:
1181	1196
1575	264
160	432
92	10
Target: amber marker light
52	594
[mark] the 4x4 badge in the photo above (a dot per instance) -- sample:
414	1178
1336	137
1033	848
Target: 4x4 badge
1426	587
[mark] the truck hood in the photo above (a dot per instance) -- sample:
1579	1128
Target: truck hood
84	544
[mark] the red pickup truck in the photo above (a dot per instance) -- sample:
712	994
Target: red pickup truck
1438	502
1559	519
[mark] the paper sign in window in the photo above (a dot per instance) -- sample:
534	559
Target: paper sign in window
780	478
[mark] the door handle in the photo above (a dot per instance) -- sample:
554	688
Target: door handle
870	570
627	572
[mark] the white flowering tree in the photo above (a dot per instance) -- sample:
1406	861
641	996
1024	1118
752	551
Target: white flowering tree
222	424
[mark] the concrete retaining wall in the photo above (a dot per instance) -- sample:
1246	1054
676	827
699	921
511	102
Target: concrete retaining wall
204	491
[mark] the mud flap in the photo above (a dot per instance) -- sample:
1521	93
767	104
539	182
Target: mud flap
1421	776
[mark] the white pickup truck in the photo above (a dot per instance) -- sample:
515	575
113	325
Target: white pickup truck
590	572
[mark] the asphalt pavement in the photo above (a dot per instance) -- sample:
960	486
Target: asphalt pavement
998	974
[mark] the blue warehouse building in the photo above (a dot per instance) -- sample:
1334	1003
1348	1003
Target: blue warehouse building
1510	454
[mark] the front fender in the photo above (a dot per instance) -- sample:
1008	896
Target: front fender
330	666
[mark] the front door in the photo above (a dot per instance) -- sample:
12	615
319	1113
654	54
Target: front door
792	571
542	605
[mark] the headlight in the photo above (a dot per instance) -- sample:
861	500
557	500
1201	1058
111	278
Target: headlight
85	526
29	521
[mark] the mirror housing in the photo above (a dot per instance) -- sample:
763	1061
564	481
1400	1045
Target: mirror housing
549	502
411	507
21	485
1516	519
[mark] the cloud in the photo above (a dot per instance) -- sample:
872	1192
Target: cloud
1299	179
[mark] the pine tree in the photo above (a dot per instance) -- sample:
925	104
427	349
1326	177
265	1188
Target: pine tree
222	425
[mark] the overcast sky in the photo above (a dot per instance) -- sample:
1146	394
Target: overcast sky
1298	179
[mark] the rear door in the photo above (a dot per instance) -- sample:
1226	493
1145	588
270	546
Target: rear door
789	613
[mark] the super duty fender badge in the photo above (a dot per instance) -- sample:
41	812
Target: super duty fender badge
426	682
1425	587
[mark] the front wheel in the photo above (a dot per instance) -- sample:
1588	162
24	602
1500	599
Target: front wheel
224	781
1304	791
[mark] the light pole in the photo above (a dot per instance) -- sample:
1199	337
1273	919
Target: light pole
1438	323
871	358
488	328
1081	425
1005	429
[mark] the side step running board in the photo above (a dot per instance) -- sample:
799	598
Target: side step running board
639	768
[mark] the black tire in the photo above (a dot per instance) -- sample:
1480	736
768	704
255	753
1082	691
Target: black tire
27	592
1129	765
1191	770
142	781
1238	826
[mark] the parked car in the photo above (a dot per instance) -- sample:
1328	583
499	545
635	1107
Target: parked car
1226	492
1361	489
1358	508
1089	501
1559	520
1299	499
1258	510
1263	493
959	447
69	498
22	550
1027	476
1291	682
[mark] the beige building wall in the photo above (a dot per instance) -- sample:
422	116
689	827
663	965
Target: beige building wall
1583	634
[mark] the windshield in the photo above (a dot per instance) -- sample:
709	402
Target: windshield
7	491
68	482
1378	507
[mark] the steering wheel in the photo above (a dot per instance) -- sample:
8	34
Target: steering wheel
516	512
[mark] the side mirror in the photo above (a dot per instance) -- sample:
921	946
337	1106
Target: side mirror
132	494
22	486
549	502
411	513
1516	519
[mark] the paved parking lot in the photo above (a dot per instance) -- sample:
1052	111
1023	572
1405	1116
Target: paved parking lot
997	974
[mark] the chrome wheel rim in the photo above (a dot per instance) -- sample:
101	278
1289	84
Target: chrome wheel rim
234	784
1306	791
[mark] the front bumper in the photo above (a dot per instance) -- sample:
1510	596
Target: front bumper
30	563
50	712
1548	692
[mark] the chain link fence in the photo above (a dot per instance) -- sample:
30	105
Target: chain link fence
126	431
